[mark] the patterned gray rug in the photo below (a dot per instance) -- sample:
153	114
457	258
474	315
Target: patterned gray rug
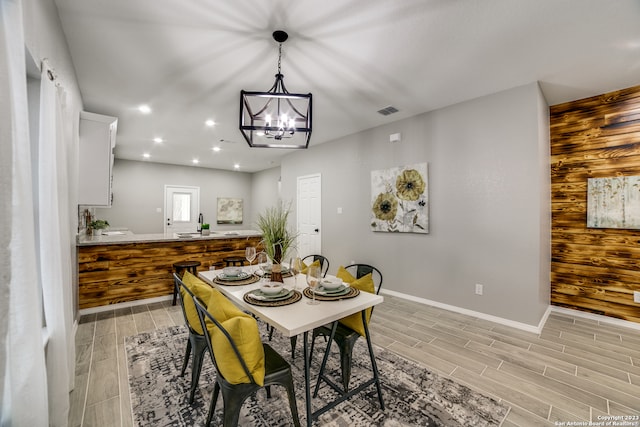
413	396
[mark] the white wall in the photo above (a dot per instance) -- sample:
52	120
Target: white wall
138	191
488	190
265	191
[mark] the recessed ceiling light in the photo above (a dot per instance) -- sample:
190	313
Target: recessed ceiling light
236	166
195	161
158	140
144	109
216	149
210	123
146	155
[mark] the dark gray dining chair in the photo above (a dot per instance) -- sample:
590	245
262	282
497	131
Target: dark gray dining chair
344	336
324	262
196	342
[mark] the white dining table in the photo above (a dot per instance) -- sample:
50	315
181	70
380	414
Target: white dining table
298	318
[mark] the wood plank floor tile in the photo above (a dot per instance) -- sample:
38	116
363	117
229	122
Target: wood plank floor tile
103	414
562	395
546	356
426	359
77	399
500	384
562	417
383	330
124	393
83	358
616	408
514	355
603	392
451	356
522	418
85	332
103	381
104	347
144	321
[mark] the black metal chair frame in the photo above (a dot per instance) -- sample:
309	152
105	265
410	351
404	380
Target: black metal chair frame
196	343
346	338
277	372
324	268
324	263
344	392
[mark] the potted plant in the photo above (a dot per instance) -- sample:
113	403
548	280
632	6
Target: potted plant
97	226
205	229
277	239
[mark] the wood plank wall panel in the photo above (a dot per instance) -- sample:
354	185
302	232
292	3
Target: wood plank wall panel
110	274
593	270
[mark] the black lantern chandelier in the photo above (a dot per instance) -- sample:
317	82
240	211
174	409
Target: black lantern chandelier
276	118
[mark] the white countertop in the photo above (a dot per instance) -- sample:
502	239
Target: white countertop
128	237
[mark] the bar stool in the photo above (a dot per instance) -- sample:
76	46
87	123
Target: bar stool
191	266
234	261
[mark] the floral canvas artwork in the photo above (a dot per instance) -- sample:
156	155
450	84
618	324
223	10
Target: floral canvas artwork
399	199
613	202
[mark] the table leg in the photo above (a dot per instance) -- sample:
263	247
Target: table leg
307	386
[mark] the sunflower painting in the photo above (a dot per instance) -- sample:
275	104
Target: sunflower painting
399	199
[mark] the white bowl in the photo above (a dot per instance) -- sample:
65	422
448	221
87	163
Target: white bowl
271	288
231	271
331	284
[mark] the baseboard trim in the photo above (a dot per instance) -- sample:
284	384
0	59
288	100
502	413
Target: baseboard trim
597	317
109	307
500	320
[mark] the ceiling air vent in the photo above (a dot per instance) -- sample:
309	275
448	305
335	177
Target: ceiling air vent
388	110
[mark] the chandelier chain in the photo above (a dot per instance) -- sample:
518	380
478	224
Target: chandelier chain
279	57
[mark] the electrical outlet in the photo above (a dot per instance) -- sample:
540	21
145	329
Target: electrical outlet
636	296
479	289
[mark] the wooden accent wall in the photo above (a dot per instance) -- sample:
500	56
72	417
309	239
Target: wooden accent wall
594	270
109	274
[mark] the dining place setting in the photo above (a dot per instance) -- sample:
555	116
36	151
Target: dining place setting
276	294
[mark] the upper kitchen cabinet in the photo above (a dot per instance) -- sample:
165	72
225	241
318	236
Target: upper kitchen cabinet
97	141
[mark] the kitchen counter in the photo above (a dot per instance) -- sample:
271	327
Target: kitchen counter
128	237
128	267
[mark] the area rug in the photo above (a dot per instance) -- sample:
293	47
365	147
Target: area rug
412	395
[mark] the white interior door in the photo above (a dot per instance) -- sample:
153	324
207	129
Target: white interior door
181	209
309	214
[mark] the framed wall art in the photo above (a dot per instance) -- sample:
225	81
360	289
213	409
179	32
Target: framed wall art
229	211
613	202
399	199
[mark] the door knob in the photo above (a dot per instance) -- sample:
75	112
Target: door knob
317	230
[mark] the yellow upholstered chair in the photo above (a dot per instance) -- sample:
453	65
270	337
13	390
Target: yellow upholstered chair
243	363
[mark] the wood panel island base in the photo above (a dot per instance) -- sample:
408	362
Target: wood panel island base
116	269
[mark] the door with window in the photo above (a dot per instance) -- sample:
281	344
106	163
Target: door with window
181	209
309	214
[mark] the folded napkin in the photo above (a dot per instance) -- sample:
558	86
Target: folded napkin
332	291
264	298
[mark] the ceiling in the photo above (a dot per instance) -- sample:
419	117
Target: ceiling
188	60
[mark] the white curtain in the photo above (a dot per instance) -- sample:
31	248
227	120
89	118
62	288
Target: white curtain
53	244
24	380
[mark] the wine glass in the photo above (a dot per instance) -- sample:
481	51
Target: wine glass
250	254
262	262
313	279
296	268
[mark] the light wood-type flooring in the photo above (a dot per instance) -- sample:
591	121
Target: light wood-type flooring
576	370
